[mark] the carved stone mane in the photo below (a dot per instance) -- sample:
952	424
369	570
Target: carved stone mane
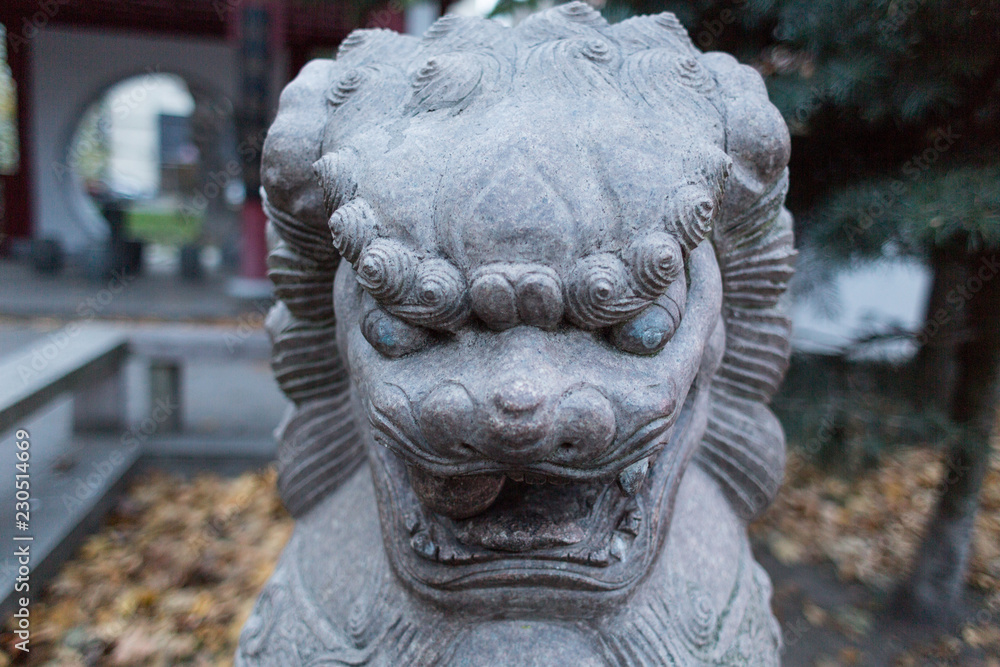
565	250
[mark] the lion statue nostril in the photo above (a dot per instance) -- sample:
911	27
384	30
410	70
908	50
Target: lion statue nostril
518	397
447	419
584	426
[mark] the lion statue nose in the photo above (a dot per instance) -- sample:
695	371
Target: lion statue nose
583	427
519	421
518	398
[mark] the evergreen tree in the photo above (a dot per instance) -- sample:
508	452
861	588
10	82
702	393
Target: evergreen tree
894	110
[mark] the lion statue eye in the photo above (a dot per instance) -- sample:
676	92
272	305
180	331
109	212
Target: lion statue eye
391	336
649	331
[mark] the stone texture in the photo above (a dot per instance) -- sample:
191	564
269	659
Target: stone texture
531	425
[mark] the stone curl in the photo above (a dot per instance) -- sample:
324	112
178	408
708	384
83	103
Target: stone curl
655	262
598	293
386	270
690	212
351	80
352	226
438	298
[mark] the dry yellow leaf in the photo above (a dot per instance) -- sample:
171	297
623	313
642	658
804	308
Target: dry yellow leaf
786	550
815	614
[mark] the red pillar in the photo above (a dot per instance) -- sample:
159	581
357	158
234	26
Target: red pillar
257	41
253	251
18	213
389	17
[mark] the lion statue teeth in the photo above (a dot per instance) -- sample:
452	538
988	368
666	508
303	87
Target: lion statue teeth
529	315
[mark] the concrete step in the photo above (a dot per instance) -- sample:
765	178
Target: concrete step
67	503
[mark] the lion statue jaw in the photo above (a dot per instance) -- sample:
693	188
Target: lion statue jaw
530	425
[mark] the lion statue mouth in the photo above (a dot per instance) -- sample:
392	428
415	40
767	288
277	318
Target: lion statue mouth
524	528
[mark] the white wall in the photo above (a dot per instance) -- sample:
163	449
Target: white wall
877	297
70	71
420	16
134	109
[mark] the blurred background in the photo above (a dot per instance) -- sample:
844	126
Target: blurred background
133	292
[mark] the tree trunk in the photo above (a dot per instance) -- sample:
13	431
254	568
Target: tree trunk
934	364
933	593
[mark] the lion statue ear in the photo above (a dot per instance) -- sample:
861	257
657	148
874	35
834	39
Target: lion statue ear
318	447
744	445
304	180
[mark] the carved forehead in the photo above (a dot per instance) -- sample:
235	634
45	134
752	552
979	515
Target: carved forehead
566	166
516	236
547	183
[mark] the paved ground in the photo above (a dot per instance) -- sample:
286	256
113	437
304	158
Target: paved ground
155	296
827	622
17	333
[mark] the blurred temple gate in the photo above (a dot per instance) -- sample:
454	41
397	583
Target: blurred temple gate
63	54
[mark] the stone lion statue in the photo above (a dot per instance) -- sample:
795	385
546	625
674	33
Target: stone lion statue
529	288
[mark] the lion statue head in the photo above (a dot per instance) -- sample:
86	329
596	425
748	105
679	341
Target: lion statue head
532	276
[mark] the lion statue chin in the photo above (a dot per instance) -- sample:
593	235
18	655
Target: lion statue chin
529	316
